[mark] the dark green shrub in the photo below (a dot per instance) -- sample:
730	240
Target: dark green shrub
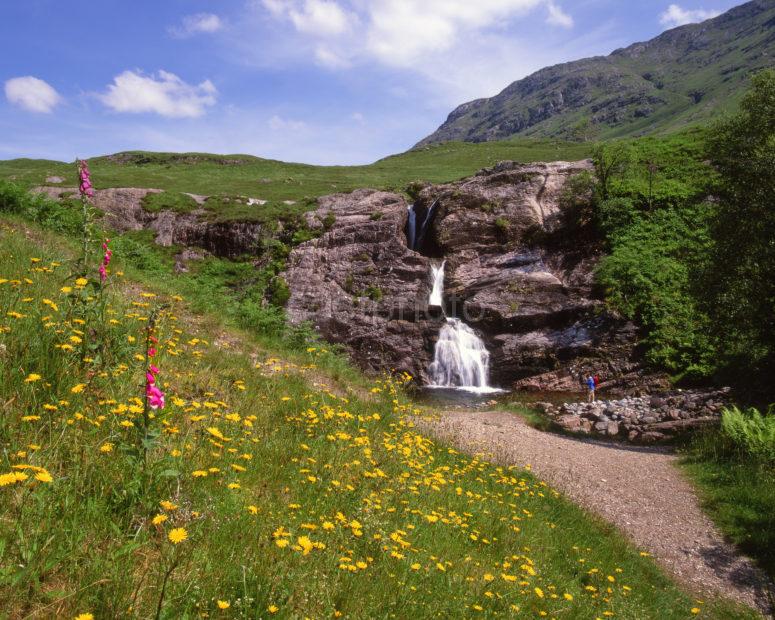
280	293
65	217
615	215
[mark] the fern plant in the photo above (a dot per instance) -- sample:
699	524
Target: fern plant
750	434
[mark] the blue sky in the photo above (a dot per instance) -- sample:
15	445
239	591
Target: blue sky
317	81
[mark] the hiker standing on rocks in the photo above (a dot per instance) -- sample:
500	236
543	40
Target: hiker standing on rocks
590	389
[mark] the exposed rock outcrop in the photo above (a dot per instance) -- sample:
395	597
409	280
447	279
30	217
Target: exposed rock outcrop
123	211
361	285
531	299
644	419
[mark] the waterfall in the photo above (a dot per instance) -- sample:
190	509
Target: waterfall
437	294
425	223
460	359
411	224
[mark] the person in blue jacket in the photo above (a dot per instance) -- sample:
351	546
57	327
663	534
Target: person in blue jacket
590	389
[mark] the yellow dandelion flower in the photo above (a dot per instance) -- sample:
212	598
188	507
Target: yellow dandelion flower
106	447
12	478
281	542
215	433
178	535
695	610
32	377
223	604
159	519
66	289
168	505
273	609
81	282
77	389
539	592
43	476
84	617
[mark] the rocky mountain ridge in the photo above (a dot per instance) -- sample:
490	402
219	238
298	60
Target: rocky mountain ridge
684	75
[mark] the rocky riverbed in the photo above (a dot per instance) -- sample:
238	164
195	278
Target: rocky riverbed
642	419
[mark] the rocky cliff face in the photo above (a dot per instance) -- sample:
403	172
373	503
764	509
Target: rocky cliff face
122	211
530	299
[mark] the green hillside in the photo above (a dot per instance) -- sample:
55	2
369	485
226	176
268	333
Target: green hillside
269	179
684	76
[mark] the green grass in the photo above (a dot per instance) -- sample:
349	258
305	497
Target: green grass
169	201
277	181
400	521
738	493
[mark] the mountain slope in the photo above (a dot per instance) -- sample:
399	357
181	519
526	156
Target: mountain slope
682	76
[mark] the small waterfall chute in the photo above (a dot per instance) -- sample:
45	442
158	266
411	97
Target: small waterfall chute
437	292
460	359
425	224
411	227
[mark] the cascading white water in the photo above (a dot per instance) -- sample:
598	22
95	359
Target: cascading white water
437	294
411	227
460	359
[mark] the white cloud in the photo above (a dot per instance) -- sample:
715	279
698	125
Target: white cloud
277	123
165	94
326	57
199	23
449	50
321	18
558	17
398	33
401	32
32	94
677	16
358	118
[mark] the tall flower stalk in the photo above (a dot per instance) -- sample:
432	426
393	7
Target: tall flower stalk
86	191
154	397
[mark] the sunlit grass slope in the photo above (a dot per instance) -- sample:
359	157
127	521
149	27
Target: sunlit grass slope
256	491
275	180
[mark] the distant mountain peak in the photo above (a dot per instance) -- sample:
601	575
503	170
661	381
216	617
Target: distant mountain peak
683	76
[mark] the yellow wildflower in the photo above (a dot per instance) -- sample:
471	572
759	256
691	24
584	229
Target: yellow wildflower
178	535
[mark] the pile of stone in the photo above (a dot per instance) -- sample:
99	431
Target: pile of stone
642	419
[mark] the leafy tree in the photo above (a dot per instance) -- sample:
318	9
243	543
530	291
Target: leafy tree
740	284
610	160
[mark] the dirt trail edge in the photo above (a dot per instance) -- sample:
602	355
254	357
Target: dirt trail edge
638	489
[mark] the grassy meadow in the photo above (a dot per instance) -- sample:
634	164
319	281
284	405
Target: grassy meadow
274	181
263	487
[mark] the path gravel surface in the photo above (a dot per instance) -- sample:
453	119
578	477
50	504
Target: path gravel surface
638	489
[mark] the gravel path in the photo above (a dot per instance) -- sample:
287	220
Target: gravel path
639	489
